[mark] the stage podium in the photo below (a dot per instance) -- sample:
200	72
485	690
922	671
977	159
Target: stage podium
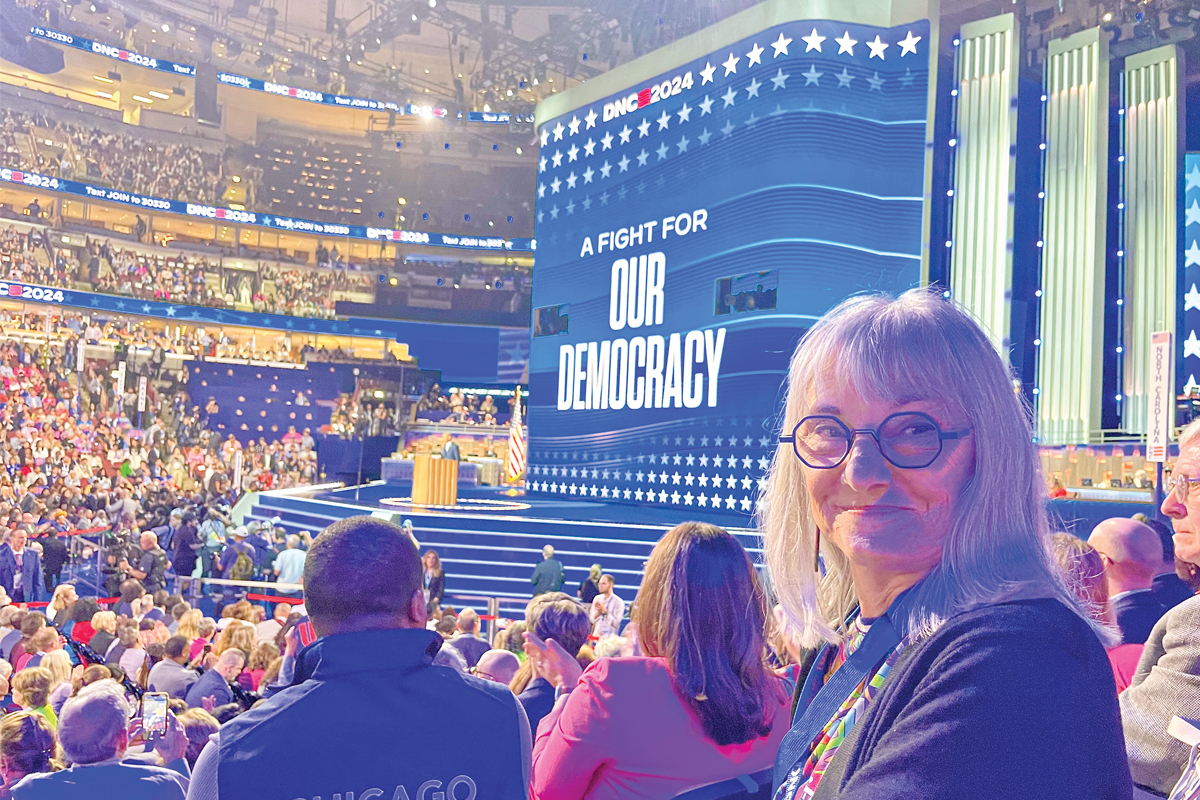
435	481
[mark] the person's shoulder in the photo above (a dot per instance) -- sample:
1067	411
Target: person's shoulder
1028	629
101	779
1186	613
628	670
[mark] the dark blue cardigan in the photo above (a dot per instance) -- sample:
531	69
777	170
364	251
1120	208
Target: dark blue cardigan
1012	701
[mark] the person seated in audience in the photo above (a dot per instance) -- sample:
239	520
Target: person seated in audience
555	616
701	706
1167	681
31	691
94	738
1083	567
1168	588
198	726
27	747
498	666
1132	555
170	675
371	666
466	638
948	642
212	688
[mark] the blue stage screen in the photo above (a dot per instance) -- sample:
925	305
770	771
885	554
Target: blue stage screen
690	229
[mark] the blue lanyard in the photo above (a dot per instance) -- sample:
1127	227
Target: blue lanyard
819	706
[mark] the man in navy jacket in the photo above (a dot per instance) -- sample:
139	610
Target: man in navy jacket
20	569
384	712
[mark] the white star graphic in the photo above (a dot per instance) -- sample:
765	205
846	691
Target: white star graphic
846	44
625	133
725	129
813	41
541	190
745	501
877	47
752	89
682	144
703	137
1193	255
643	129
702	500
664	121
545	135
731	63
1191	345
844	79
573	153
780	80
558	131
1191	299
876	83
574	125
1193	214
554	186
587	175
909	45
781	45
542	164
662	151
589	148
624	162
688	498
706	74
755	55
729	97
606	141
556	159
812	77
571	179
706	106
641	157
591	117
1190	385
605	168
685	113
1193	179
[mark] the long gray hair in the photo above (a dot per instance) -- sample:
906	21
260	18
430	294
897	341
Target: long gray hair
917	345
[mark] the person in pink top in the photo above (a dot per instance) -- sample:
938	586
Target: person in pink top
701	706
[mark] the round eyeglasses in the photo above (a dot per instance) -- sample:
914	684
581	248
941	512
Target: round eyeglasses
1179	485
908	440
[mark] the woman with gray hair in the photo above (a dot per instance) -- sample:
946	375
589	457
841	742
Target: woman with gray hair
945	656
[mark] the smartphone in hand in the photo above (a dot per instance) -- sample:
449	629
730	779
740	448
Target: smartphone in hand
154	714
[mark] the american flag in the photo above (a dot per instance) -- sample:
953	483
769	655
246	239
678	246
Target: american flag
514	462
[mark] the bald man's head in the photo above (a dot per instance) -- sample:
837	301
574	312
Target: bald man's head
1132	553
498	665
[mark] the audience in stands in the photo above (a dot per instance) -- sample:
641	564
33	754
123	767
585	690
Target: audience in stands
1167	681
555	616
363	593
27	747
466	638
932	527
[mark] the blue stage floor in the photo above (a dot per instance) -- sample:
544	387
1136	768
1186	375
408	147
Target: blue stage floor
375	494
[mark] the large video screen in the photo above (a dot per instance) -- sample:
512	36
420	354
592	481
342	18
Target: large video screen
690	229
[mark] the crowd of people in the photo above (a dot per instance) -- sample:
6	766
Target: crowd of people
136	164
918	630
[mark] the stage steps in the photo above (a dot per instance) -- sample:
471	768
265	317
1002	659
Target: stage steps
495	555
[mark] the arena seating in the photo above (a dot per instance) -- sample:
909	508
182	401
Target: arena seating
259	402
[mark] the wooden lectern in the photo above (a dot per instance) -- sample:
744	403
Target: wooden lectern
435	481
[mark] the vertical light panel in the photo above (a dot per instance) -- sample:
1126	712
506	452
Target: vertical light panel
985	173
1151	172
1074	227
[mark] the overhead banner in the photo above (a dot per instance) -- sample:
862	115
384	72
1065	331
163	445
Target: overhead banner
275	222
691	228
116	53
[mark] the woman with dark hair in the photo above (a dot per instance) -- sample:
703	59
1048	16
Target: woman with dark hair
81	619
433	579
26	747
701	706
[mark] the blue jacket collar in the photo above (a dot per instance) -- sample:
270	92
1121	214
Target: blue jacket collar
367	651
